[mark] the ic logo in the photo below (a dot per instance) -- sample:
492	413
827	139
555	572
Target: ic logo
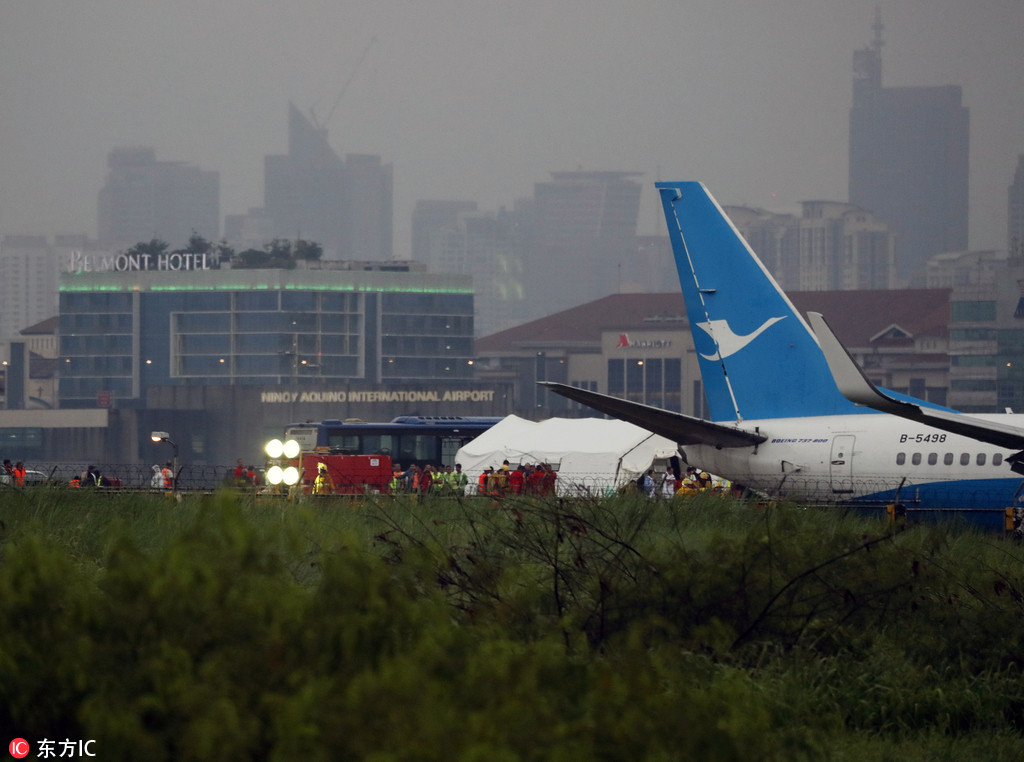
19	748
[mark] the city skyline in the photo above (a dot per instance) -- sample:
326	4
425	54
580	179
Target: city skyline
481	101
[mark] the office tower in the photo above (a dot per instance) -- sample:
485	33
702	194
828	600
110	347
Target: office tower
28	283
481	245
345	205
454	237
909	161
578	234
832	246
145	199
428	218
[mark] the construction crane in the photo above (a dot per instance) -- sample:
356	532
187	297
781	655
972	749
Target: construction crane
344	88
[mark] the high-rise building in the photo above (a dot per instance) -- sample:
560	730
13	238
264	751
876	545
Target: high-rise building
832	246
345	205
1015	226
986	332
371	207
145	199
909	161
430	216
28	283
481	245
578	234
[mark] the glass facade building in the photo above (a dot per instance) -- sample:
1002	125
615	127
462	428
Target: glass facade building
124	332
909	161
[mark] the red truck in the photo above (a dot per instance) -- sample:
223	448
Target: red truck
347	474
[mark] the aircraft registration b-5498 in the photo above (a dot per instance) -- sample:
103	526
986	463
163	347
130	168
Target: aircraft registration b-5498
791	415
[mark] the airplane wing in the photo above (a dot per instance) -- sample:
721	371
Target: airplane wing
682	429
856	387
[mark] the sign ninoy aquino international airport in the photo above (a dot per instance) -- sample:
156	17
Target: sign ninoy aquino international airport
379	395
79	262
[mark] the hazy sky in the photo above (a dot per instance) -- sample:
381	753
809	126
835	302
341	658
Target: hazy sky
479	100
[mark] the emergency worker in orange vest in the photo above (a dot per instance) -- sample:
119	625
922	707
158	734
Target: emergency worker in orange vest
481	483
168	475
426	479
517	479
547	484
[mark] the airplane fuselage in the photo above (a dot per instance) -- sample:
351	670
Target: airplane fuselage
789	412
872	459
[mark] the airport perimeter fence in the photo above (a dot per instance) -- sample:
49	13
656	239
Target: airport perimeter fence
192	478
128	476
994	495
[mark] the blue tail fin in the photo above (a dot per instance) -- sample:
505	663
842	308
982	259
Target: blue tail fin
758	358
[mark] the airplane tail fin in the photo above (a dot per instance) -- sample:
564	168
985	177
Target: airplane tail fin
758	357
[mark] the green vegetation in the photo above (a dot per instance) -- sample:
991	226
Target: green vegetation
279	253
619	629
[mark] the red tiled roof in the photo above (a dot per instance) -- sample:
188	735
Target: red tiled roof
855	316
585	322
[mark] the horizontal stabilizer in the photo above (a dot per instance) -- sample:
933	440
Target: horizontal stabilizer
681	429
856	387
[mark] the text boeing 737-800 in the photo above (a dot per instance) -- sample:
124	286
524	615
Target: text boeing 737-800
791	415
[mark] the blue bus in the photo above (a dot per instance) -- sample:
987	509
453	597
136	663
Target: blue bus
407	439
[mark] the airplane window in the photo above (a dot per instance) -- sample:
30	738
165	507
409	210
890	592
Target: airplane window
965	459
916	459
901	458
947	459
933	458
997	459
981	459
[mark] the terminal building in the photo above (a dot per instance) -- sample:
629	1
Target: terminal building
223	359
639	347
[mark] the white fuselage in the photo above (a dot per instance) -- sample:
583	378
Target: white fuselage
867	458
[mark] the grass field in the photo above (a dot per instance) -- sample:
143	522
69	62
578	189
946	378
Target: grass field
618	629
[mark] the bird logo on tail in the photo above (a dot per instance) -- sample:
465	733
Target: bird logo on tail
728	341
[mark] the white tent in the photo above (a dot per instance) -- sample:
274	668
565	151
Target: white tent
591	455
